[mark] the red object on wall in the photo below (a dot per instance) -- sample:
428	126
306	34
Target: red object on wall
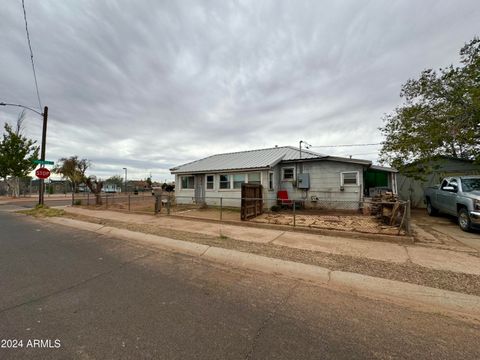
42	173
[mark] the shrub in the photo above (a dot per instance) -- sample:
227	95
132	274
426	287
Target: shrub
275	208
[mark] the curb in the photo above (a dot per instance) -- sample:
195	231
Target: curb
420	297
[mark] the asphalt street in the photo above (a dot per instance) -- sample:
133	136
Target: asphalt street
83	296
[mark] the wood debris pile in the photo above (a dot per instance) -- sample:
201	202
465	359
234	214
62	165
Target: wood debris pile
385	206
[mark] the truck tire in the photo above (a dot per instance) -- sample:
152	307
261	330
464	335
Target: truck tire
430	209
464	220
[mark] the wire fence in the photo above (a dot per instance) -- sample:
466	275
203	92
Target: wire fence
368	216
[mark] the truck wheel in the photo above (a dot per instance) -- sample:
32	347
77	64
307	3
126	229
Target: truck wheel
464	220
430	209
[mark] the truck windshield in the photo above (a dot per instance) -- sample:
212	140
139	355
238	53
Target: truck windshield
470	184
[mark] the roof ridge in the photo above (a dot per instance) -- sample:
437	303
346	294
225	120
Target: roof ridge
229	153
283	150
246	151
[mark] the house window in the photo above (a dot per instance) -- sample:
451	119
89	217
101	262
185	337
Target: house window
225	182
238	180
270	181
210	182
188	182
288	173
254	178
349	178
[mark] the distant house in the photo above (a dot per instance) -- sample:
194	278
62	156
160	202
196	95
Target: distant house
412	187
305	175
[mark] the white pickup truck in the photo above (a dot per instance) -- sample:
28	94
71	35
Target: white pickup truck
458	196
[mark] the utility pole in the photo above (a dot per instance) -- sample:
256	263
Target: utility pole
41	189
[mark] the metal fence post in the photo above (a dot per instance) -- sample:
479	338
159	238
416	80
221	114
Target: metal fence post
73	198
169	199
408	226
88	199
294	217
106	202
221	208
156	205
128	202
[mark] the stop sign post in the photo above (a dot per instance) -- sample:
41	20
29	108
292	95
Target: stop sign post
42	173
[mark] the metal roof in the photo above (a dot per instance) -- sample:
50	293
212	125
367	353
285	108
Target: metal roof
252	159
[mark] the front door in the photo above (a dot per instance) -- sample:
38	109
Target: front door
199	189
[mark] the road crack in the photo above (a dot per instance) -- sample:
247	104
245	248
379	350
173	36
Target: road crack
267	320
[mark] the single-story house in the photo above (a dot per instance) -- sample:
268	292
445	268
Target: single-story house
304	174
411	185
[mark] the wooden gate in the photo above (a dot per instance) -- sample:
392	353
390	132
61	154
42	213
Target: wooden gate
252	202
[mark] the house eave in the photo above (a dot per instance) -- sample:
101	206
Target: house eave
217	171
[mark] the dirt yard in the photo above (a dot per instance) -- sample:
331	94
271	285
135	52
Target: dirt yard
359	223
205	213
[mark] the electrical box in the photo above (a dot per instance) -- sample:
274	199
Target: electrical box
303	181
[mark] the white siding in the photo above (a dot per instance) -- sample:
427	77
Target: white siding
325	183
230	197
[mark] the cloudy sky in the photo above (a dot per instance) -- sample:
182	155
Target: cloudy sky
148	85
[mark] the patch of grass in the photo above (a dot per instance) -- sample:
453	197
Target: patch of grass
223	237
42	211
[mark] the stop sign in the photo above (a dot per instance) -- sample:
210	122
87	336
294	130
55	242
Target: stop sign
42	173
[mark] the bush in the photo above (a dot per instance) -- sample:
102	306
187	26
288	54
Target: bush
77	202
275	208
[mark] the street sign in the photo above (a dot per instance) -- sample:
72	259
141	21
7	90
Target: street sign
44	162
42	173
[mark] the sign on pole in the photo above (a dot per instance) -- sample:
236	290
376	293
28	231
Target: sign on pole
42	173
44	162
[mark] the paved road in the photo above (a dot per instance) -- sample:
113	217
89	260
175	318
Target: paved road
104	298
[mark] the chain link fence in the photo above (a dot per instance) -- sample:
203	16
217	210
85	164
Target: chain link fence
141	203
375	217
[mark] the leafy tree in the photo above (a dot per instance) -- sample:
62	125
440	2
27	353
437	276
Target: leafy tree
72	169
116	180
17	154
95	187
168	187
440	116
149	182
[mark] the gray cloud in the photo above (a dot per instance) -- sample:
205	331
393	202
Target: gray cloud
148	85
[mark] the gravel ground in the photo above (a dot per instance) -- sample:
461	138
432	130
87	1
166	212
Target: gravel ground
407	272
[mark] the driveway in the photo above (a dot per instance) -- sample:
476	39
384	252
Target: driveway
443	231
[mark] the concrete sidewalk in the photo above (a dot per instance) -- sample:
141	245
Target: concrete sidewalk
438	259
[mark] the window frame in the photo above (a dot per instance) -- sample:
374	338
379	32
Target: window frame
271	181
293	173
259	181
209	182
220	182
342	178
187	176
236	181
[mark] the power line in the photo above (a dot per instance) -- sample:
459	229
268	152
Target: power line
375	153
345	145
31	54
